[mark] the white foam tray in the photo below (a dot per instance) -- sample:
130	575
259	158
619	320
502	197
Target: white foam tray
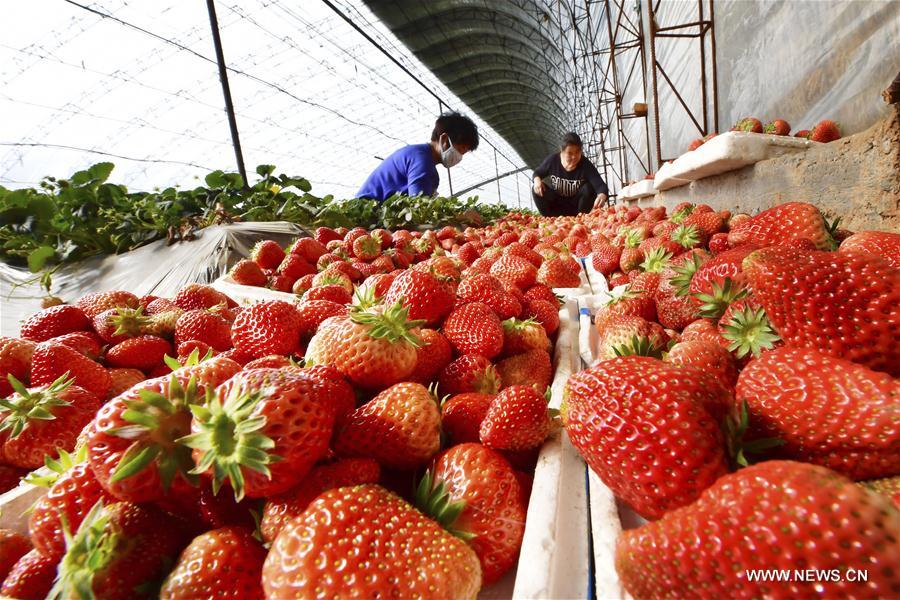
248	294
555	549
726	152
641	189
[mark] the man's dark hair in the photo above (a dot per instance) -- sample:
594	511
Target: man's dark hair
460	129
571	139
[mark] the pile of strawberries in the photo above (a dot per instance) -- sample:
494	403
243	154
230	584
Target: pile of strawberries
824	131
769	341
376	435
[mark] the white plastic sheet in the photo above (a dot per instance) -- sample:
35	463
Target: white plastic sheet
152	269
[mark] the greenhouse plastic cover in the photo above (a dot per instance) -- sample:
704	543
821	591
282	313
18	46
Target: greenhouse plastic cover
155	269
799	61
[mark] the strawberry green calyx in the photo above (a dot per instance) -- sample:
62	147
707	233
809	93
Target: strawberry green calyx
88	551
364	298
639	346
31	405
393	324
633	238
716	303
130	321
749	332
433	499
680	215
656	260
738	449
230	439
684	274
56	467
193	359
330	279
157	421
687	236
514	324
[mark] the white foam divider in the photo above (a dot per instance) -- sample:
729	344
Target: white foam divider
640	189
726	152
248	294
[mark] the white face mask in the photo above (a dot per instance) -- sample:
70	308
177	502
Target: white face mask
451	156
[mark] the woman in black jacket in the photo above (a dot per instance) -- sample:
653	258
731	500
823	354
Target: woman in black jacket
567	183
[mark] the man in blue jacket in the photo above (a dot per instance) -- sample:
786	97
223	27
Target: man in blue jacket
412	170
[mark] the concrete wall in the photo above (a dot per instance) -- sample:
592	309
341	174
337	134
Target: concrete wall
856	178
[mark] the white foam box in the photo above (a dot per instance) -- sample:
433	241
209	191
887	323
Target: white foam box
641	189
248	294
555	556
726	152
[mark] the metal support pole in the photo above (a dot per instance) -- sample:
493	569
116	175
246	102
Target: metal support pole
518	197
497	172
226	91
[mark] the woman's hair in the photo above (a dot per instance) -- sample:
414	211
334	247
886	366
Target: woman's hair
571	139
460	129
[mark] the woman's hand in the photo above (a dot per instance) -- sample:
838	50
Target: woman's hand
538	186
600	200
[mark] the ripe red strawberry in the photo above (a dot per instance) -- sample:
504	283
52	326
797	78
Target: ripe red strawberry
267	254
53	322
540	292
280	509
532	368
523	251
629	303
783	505
394	551
323	235
13	546
50	361
123	379
468	253
880	243
706	223
707	356
469	373
73	491
10	477
695	144
268	327
332	275
889	487
331	292
432	356
295	424
777	127
199	295
517	419
294	267
515	270
781	223
400	428
485	288
425	296
631	255
462	415
748	124
366	248
313	312
719	281
543	312
620	408
523	335
555	273
85	342
803	133
309	249
203	326
605	258
144	352
618	279
247	272
484	504
15	360
834	413
118	549
627	335
38	421
31	578
718	243
94	303
474	328
372	349
853	296
225	562
825	131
